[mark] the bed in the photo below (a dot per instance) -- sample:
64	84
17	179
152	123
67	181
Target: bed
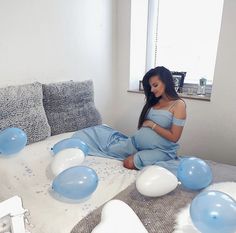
49	113
28	175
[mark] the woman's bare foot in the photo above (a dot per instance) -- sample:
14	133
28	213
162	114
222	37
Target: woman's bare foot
129	162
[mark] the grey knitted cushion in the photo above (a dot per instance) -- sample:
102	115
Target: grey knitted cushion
70	106
22	107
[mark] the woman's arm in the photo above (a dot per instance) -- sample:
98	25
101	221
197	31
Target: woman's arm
173	134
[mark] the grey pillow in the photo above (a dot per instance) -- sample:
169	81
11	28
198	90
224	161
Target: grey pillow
69	106
22	107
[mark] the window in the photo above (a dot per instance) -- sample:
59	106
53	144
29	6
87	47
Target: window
181	35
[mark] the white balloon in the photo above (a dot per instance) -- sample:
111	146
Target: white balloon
155	181
118	217
65	159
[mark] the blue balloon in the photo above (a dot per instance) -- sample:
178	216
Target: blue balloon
214	212
70	143
194	173
12	140
76	182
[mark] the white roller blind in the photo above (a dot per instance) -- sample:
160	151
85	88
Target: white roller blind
183	36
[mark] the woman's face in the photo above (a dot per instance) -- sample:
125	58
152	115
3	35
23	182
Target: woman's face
157	86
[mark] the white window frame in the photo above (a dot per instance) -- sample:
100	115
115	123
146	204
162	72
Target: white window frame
152	27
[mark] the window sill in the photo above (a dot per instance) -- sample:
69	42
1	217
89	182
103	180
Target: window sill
206	97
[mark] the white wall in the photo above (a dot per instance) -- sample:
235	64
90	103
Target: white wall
210	131
58	40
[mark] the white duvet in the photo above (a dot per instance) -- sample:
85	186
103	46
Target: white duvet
27	175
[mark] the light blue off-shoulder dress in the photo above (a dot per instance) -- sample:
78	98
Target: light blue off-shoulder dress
146	145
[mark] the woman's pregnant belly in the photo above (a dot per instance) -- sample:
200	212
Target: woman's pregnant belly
146	139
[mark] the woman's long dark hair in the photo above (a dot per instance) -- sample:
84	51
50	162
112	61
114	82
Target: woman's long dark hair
166	77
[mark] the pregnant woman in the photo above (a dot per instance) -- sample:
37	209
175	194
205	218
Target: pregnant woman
159	128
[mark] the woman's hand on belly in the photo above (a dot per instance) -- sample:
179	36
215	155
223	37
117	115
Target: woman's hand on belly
148	123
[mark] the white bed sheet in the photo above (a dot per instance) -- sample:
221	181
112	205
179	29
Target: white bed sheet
27	175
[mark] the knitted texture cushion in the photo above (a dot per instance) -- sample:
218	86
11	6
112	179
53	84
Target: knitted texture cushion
69	106
22	107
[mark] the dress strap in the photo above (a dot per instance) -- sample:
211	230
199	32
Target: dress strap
172	105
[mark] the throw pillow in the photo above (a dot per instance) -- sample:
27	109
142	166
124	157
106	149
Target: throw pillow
69	106
22	107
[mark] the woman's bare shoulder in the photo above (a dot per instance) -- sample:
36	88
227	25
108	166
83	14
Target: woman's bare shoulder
180	109
180	103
